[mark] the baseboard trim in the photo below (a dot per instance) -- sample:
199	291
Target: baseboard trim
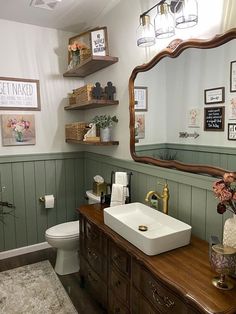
24	250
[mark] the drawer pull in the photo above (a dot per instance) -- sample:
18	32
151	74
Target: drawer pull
160	299
92	254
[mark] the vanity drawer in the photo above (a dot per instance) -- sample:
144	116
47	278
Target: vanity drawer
96	286
96	261
140	305
120	286
160	296
120	259
93	235
115	307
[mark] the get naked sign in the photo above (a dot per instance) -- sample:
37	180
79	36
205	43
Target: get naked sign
19	94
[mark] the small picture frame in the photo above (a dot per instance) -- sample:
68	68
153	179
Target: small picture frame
232	131
18	129
233	76
214	96
214	118
139	126
140	98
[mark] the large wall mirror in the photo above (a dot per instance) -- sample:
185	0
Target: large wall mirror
183	106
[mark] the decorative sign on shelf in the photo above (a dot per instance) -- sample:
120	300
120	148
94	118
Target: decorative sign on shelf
86	45
19	94
214	118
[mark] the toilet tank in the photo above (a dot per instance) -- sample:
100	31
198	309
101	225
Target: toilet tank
92	198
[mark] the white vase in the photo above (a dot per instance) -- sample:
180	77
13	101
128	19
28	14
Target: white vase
105	134
229	236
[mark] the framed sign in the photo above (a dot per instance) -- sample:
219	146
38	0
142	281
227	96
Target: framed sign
19	94
232	131
214	118
99	42
233	76
214	95
140	98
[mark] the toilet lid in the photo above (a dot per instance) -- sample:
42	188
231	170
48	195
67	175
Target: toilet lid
65	230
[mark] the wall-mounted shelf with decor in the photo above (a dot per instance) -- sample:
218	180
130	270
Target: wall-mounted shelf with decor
111	143
91	65
90	104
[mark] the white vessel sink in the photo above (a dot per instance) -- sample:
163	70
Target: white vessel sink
164	233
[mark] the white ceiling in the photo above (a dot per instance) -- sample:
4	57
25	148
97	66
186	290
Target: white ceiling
68	15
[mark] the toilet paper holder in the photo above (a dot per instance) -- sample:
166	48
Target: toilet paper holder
42	199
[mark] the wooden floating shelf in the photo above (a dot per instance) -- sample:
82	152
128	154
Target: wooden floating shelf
91	65
111	143
90	104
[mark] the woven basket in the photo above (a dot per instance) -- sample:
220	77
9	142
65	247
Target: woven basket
85	54
75	131
83	93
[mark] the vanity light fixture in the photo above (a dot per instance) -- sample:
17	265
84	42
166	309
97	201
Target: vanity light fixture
171	14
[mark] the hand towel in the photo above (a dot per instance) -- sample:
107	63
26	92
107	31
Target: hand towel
117	195
122	178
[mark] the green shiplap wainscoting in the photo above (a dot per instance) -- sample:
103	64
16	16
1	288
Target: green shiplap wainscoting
28	177
68	175
191	196
222	157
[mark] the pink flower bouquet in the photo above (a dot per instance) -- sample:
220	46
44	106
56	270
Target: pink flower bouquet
225	191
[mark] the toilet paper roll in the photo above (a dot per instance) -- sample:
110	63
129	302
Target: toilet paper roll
49	201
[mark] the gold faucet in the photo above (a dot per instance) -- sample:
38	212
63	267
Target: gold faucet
164	197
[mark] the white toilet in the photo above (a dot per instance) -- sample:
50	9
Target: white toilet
65	237
92	198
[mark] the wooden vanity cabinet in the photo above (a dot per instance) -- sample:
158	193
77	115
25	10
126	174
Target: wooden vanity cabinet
126	281
93	260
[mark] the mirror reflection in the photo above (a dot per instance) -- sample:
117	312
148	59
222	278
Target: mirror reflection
188	114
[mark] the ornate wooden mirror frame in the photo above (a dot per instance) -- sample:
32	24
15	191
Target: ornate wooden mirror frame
174	49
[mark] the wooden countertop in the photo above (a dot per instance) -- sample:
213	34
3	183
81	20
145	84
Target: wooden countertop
185	270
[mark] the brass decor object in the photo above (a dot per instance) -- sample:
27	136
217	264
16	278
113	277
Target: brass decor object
164	197
223	261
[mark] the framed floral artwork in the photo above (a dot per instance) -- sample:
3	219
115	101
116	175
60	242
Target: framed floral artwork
18	129
139	126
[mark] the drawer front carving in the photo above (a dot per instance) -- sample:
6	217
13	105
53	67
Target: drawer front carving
93	235
140	305
120	259
159	296
96	261
115	307
96	286
120	286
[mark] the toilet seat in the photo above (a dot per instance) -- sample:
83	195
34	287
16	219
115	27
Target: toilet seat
65	230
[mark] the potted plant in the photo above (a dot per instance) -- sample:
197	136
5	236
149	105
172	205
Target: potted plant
105	123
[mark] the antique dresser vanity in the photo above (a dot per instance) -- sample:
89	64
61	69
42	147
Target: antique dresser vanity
125	280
